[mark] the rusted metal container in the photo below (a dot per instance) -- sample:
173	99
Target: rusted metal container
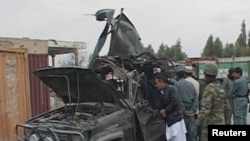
39	92
14	91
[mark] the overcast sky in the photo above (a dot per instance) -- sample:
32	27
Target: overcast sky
157	21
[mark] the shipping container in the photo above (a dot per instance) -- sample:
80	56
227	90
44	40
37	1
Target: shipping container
15	91
39	92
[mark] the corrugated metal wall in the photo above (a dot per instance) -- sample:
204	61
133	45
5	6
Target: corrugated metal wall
14	91
39	92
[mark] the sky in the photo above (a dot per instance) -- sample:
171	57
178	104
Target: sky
157	21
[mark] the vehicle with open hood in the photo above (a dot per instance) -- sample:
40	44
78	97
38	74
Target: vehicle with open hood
114	99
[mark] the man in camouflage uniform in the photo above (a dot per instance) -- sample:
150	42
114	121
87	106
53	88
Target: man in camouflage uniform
203	85
213	101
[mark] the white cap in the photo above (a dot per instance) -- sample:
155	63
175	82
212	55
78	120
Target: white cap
188	69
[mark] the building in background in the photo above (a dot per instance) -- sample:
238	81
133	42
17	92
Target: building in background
51	47
45	53
66	49
223	63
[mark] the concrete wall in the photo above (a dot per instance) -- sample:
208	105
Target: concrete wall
236	59
54	48
66	44
34	46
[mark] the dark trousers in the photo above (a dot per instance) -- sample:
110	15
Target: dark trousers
190	122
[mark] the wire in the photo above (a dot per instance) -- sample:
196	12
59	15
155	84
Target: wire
78	95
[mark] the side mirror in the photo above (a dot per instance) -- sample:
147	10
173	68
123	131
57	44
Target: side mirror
105	15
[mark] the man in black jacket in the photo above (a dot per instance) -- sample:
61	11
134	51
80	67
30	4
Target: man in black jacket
172	110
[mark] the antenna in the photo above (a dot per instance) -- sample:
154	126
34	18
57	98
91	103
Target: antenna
88	14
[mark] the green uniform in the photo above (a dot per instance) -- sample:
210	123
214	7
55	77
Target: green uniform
200	126
213	105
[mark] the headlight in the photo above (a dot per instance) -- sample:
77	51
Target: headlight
27	132
34	137
48	139
76	138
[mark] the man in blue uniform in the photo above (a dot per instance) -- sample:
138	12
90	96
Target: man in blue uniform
189	99
240	97
228	86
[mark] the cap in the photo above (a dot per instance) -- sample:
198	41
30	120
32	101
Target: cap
211	69
230	70
188	69
238	70
180	69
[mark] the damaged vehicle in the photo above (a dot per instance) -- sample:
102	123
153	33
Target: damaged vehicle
114	99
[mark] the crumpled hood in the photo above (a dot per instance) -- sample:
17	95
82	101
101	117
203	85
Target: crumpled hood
74	84
125	40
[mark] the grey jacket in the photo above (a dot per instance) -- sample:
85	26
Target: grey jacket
171	101
228	86
240	87
188	95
